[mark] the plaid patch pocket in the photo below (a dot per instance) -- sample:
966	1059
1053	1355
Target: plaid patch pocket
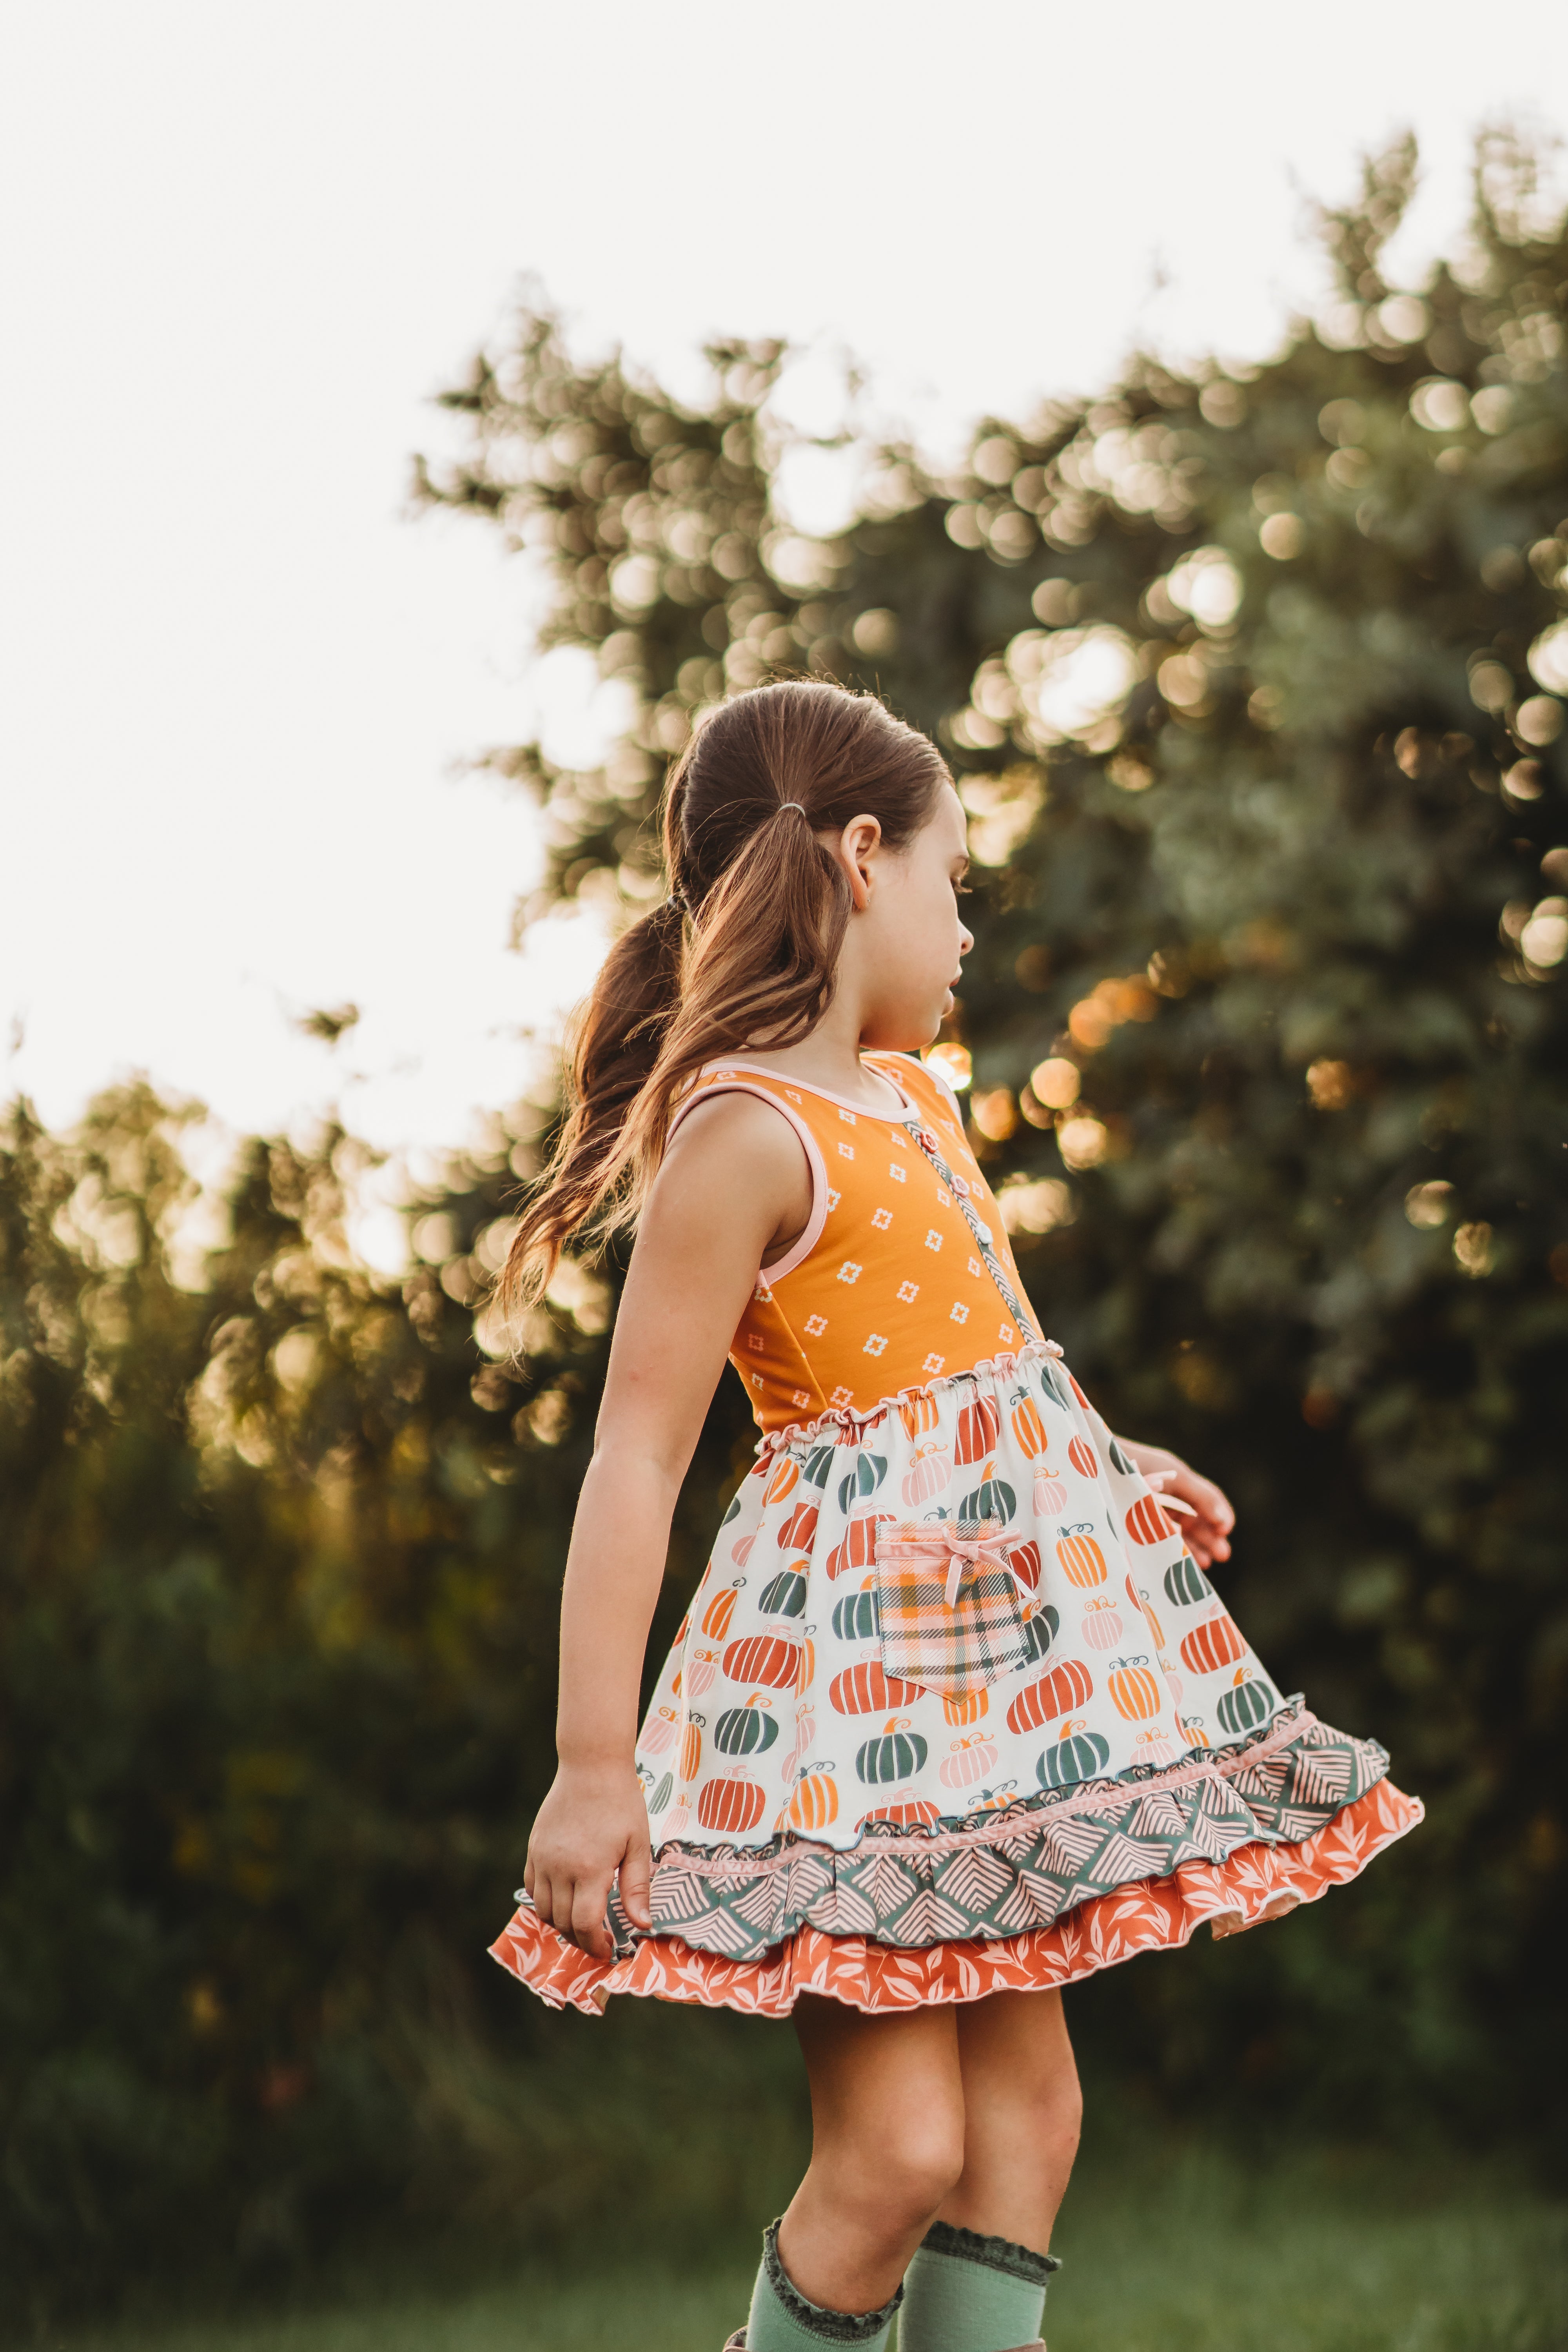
952	1615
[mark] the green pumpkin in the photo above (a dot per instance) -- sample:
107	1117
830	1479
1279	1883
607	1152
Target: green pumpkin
1246	1706
732	1513
992	1499
1078	1757
896	1756
744	1731
1185	1582
786	1596
1040	1634
1052	1381
858	1617
818	1463
1118	1460
662	1794
868	1475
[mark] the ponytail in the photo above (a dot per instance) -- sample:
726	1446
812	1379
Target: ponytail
744	954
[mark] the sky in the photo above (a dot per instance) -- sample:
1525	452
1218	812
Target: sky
244	248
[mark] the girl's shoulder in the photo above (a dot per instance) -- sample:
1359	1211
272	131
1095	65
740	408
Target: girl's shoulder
925	1086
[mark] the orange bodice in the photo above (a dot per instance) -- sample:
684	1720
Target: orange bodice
886	1289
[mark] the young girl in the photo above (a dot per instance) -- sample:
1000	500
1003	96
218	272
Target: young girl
956	1717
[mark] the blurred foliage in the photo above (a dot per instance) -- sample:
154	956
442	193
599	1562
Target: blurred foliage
1249	680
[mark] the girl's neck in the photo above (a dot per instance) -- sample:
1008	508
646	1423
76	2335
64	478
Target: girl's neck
830	1058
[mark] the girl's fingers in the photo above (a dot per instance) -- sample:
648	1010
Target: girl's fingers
589	1928
636	1876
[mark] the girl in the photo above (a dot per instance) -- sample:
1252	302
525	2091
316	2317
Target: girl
956	1715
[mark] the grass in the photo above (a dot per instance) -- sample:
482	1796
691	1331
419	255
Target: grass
1176	2248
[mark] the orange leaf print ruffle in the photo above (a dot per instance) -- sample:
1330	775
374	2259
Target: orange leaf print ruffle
1256	1882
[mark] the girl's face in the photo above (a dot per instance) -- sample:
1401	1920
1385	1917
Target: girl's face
907	939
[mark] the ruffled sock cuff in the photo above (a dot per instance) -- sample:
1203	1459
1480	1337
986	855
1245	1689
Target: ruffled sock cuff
991	2254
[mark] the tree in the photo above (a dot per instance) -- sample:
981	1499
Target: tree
1252	681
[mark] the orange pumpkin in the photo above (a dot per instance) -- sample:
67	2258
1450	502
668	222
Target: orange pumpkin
719	1610
1083	1457
691	1747
1028	1427
786	1474
865	1689
918	1413
979	1425
807	1666
798	1529
1065	1686
906	1810
857	1545
1134	1692
970	1707
764	1658
1212	1644
1157	1630
1023	1560
814	1802
1079	1557
1078	1393
1193	1725
1146	1523
736	1803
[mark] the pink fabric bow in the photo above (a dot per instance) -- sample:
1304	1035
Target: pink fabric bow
982	1549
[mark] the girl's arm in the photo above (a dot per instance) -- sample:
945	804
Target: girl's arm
1208	1524
733	1190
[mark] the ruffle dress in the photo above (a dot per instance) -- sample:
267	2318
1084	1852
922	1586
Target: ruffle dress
955	1710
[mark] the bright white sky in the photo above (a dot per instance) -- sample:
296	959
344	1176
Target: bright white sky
244	245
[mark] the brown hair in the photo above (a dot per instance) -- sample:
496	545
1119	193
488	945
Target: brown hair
745	950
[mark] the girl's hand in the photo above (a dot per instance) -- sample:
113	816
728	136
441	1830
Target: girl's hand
592	1823
1207	1525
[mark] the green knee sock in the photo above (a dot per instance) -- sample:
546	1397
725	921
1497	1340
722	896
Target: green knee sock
783	2321
963	2292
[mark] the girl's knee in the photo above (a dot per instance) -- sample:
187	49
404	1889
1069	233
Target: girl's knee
894	2181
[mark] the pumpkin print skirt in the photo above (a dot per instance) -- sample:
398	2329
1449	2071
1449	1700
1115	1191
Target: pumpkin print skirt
955	1711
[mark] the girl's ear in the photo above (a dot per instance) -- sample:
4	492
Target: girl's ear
854	847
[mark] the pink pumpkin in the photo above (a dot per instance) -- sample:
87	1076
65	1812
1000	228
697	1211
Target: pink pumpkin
1051	1495
929	1472
660	1733
970	1761
741	1552
1152	1747
1102	1626
701	1672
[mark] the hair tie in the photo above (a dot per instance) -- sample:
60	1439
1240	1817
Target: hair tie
787	805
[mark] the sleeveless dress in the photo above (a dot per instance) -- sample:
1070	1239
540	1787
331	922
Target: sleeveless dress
954	1710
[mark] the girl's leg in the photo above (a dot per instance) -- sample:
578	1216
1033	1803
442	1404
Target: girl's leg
887	2146
978	2282
1022	2111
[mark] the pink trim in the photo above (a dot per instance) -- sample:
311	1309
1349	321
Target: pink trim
788	1078
1013	1822
806	1242
852	1417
